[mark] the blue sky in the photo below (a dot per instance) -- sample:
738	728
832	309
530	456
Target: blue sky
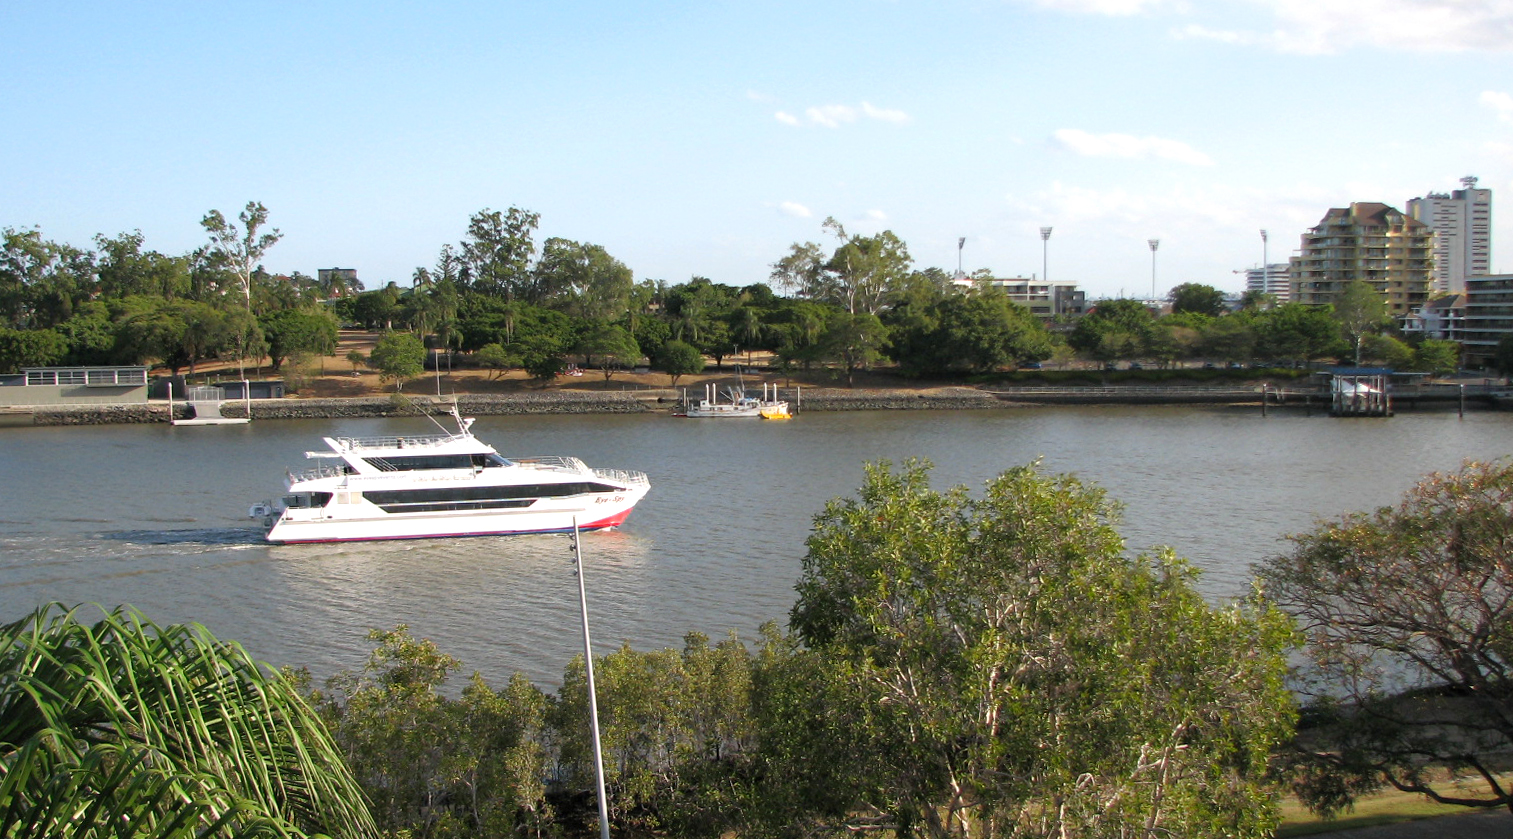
704	138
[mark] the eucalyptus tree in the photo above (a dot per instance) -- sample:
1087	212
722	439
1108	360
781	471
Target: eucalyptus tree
802	270
1003	667
582	279
857	341
1360	310
241	249
497	253
121	728
864	270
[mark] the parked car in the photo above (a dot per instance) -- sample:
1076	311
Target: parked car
1030	365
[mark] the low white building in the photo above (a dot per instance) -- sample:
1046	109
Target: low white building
1043	298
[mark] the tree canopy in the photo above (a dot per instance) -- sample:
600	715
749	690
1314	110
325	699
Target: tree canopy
998	654
398	356
1408	612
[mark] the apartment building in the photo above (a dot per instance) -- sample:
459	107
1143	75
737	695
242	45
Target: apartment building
1366	241
1443	319
1271	279
1489	316
1462	225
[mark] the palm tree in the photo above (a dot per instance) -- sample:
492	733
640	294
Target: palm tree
121	728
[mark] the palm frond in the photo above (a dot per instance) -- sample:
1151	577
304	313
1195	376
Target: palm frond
127	729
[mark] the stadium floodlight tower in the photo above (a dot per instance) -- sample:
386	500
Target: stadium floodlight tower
1045	269
1154	243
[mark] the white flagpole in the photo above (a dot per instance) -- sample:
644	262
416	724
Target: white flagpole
593	699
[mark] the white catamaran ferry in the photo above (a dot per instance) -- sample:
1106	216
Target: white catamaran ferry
449	484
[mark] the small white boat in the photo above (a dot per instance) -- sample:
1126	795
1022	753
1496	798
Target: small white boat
736	404
449	484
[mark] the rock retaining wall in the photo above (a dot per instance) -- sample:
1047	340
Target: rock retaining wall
894	400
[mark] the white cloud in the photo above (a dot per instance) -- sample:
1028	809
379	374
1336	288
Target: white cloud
1199	32
884	114
758	96
1128	146
1329	26
795	209
834	116
1113	8
877	216
831	116
1500	103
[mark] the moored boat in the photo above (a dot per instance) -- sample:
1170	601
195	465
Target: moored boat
448	484
736	404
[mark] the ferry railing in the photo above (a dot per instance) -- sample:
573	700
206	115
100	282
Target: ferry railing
624	476
325	470
551	462
420	441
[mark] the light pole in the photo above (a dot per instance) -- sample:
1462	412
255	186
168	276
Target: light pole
960	243
1154	243
1045	269
1265	267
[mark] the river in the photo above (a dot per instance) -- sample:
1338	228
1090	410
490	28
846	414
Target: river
153	515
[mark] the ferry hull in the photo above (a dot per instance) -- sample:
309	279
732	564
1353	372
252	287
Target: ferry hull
311	526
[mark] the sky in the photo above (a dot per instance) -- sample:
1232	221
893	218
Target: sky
706	138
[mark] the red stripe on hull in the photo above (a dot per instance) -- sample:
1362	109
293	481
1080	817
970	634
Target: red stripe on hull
602	524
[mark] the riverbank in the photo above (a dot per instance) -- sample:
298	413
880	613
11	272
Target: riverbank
664	400
568	401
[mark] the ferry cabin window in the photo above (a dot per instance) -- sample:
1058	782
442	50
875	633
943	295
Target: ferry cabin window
419	462
466	498
301	500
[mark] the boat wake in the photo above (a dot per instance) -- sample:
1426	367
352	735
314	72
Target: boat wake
208	536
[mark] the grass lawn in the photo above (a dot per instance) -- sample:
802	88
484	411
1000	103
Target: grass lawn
1370	811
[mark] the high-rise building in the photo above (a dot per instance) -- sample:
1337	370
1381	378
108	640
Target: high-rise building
1462	223
1367	241
1271	279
